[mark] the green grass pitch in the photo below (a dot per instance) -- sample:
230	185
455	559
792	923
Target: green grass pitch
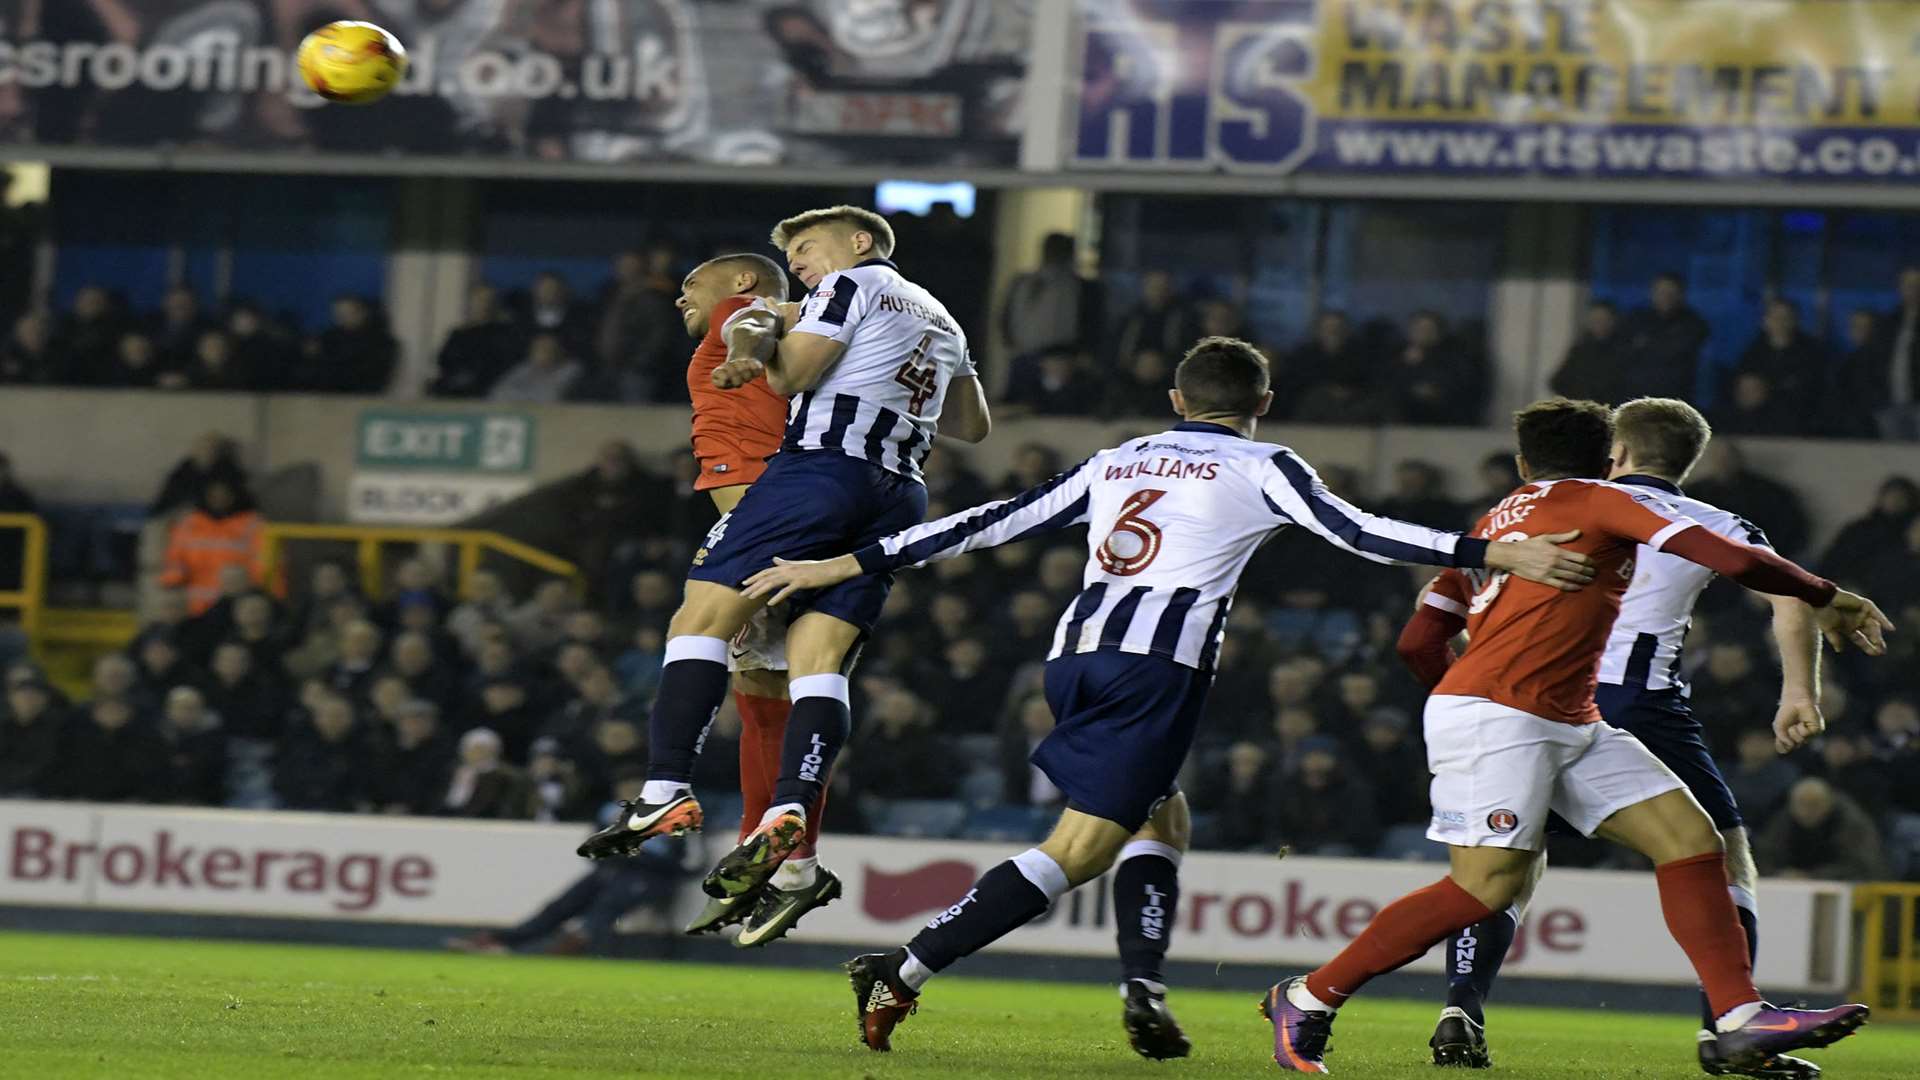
137	1008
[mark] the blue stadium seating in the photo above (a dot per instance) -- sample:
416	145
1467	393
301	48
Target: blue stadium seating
918	817
1008	824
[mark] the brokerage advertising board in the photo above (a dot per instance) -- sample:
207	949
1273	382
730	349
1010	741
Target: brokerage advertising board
752	82
1233	908
437	468
1789	90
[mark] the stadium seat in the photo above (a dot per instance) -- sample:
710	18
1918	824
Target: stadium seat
919	817
1409	843
1008	824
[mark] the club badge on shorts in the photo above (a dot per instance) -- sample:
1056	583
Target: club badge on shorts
1503	821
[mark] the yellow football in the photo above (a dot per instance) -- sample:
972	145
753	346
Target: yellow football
353	63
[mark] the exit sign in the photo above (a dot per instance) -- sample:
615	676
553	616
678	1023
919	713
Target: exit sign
446	442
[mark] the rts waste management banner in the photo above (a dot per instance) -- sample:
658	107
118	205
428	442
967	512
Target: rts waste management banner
1784	90
872	82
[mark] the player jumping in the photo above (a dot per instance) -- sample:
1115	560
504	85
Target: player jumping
1177	516
873	364
1512	732
1656	442
736	430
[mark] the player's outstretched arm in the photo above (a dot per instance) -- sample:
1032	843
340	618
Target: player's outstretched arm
1057	504
1845	618
1798	636
1297	494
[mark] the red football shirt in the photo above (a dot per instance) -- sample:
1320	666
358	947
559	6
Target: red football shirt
1533	647
737	428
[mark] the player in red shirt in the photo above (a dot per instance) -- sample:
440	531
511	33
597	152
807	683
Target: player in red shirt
1512	732
737	426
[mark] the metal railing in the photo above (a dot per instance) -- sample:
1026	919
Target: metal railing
30	598
1889	961
369	540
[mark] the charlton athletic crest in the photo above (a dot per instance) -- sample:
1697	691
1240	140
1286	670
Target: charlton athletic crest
1503	821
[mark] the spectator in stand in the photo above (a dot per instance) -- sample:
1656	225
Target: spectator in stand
115	675
1779	386
223	530
1591	369
1247	781
612	746
212	456
1326	808
428	678
486	603
1432	379
1760	778
1884	383
1722	477
540	624
323	763
971	690
551	310
1332	377
412	763
14	499
547	375
1396	764
1057	382
193	752
214	367
352	674
1848	763
1051	307
1497	477
355	355
88	337
33	735
178	326
1661	353
478	351
1729	692
559	792
1139	389
640	336
1022	783
114	755
1823	835
30	355
508	710
1420	495
1160	323
607	505
135	365
256	630
904	758
162	666
1862	540
250	701
483	784
260	349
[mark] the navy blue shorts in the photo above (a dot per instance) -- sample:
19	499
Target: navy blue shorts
1123	724
1664	724
813	504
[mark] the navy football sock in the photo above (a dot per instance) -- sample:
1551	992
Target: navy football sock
816	730
1473	960
1747	910
1146	895
693	686
1005	898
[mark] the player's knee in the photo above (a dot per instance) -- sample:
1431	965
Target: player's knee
818	645
1170	824
1497	886
1690	833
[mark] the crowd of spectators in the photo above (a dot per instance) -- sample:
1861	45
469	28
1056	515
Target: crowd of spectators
486	702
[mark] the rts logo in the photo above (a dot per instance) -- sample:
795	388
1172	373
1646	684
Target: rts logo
1197	84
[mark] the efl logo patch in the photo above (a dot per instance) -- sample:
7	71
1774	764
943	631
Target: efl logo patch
1503	821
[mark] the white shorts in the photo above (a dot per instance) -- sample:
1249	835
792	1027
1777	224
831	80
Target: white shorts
1497	771
761	645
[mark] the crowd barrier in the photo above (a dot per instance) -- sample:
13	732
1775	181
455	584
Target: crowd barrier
1242	909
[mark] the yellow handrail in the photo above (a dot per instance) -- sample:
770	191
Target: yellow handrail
369	539
30	598
1889	962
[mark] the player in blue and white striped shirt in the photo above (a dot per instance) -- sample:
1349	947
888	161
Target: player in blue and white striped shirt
1176	517
873	364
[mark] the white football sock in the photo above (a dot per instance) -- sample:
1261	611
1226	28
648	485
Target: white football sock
663	791
914	973
785	807
1303	998
1736	1016
796	873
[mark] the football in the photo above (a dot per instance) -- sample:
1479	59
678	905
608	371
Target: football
351	63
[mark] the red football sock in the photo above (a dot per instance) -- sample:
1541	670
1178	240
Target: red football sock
763	726
1700	916
1402	933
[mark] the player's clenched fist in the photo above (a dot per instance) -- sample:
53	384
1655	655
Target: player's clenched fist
735	374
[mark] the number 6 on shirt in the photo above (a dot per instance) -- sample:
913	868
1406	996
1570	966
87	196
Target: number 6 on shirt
1146	536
